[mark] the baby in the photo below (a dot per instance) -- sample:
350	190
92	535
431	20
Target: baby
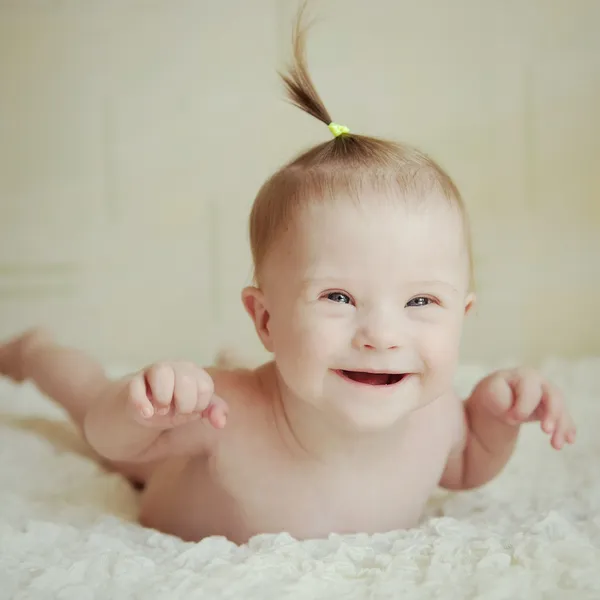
362	283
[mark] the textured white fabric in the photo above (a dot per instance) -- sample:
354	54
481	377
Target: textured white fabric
68	530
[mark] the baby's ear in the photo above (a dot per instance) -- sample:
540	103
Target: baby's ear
469	302
254	303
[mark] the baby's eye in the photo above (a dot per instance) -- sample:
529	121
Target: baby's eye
339	297
419	301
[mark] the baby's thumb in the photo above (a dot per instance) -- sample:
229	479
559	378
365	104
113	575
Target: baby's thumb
216	412
496	394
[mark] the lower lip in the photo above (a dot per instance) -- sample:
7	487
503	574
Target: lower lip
388	386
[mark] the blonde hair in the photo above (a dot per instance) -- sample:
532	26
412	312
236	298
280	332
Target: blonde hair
344	166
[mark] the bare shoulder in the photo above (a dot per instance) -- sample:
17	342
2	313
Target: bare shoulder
243	393
235	385
249	401
242	389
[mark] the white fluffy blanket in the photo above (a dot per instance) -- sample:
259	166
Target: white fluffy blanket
68	529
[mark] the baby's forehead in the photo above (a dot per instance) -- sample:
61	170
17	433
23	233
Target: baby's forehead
378	206
396	227
345	242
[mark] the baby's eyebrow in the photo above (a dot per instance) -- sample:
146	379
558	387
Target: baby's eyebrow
316	280
308	281
319	281
437	282
311	279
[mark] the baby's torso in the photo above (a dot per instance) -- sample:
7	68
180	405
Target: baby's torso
252	485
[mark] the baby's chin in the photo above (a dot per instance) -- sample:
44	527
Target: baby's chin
362	407
371	418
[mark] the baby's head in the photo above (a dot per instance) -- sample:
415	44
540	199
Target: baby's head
362	264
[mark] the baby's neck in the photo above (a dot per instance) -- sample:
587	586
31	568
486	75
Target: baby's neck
307	431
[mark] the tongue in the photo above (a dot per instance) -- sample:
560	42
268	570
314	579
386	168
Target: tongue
368	378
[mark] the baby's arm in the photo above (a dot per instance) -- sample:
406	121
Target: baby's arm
488	425
163	410
483	446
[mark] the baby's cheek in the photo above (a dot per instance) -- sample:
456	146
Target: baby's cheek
440	353
304	359
318	344
302	342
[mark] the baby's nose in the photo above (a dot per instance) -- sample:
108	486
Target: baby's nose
382	346
378	333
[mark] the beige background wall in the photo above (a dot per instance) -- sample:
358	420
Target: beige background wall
135	133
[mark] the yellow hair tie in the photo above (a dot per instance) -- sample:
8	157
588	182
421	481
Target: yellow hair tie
337	129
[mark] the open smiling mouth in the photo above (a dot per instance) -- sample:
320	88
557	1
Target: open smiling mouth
367	378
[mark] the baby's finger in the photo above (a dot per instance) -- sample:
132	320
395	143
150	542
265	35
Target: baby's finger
216	412
528	393
559	436
497	393
138	398
550	407
204	389
185	391
569	429
160	380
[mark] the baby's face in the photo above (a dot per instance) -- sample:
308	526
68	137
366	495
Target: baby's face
365	307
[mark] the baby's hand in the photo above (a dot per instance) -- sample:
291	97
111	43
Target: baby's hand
169	394
522	395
